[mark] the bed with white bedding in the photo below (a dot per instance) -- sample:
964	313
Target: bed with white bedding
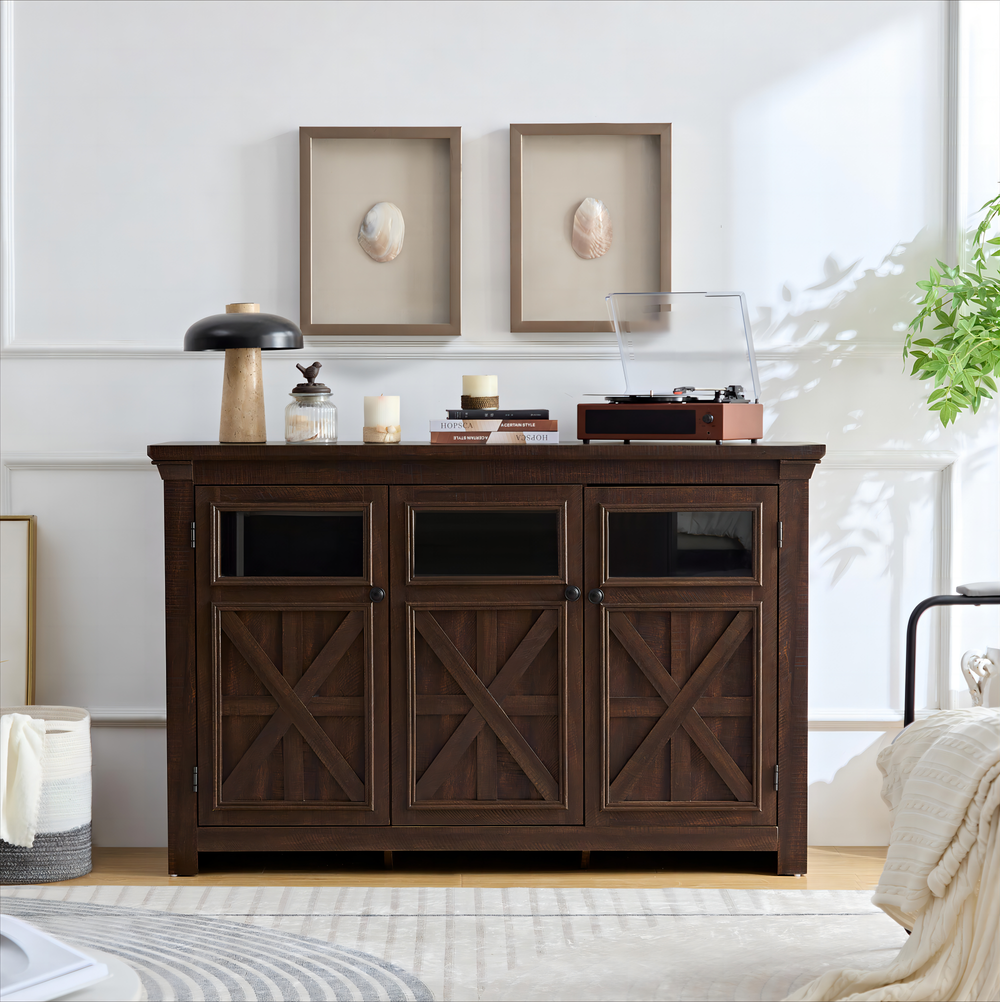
942	874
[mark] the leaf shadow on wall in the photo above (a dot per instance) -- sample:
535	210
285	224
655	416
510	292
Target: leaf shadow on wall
801	348
863	519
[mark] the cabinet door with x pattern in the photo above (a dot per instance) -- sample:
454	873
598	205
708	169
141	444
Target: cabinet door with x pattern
681	655
293	696
487	665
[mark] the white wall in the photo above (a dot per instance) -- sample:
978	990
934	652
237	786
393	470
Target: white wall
150	176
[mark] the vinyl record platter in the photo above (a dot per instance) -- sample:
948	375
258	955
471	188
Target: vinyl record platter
666	337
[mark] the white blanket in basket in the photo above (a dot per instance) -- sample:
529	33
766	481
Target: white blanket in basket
22	752
942	872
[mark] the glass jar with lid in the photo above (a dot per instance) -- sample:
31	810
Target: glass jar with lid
311	417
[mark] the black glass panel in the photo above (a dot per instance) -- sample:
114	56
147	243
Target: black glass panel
663	544
293	544
486	543
620	420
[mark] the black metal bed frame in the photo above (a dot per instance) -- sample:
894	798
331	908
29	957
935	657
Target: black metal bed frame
911	640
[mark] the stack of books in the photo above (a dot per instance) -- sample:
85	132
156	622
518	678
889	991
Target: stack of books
495	427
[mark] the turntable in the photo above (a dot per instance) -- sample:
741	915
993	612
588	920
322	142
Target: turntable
664	339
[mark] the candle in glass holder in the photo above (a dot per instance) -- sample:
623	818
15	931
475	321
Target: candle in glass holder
479	392
382	420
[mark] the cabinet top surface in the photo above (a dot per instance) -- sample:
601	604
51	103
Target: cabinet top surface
166	452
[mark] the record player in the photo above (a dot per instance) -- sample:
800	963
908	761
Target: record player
690	371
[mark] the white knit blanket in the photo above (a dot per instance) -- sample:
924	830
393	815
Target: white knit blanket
942	872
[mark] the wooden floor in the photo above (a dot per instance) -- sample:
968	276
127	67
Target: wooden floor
830	868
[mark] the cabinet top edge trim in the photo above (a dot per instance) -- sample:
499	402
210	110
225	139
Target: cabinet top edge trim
183	452
571	464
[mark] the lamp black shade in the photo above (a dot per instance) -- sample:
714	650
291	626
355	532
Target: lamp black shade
242	330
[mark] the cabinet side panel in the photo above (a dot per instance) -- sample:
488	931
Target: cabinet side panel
793	675
178	513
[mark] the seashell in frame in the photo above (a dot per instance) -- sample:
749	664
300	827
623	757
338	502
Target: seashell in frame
381	233
592	229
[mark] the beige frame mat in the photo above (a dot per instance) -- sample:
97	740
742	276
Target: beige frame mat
553	168
343	173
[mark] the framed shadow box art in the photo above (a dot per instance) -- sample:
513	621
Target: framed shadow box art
589	215
381	231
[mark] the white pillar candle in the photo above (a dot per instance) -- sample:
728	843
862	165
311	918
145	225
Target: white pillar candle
479	386
382	411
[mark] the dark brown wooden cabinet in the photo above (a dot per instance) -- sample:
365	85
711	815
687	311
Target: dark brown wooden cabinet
481	647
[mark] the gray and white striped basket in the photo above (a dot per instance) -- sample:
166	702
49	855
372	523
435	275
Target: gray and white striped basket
62	846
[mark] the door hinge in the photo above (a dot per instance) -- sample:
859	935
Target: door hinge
194	780
775	778
780	527
192	535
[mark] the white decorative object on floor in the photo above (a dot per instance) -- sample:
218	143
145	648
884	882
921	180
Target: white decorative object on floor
60	848
22	749
121	985
942	873
35	966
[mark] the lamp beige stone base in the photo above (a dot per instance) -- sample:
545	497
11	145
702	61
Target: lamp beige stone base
242	417
479	403
382	434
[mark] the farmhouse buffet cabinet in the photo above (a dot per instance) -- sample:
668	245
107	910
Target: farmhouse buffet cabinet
486	647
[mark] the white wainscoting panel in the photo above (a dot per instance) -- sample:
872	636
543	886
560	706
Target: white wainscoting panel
874	554
100	579
130	786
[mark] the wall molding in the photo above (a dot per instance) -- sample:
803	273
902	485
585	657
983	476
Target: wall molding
414	349
946	544
878	719
90	461
105	717
598	349
888	459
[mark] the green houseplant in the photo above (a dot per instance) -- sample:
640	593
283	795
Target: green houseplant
966	306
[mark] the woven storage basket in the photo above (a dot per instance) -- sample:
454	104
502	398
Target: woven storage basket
62	846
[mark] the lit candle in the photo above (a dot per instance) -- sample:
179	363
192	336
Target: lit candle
479	386
382	420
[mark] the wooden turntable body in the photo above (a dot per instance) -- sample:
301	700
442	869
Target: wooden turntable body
695	422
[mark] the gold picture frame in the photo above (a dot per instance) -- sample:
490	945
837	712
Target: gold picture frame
18	573
343	172
552	169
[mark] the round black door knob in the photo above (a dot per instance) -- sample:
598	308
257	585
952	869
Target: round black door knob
596	596
377	594
572	593
708	418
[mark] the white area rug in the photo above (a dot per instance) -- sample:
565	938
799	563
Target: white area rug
467	943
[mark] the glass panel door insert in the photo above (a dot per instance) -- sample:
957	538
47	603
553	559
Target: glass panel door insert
664	544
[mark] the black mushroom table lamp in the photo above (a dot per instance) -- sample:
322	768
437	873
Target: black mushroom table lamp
243	331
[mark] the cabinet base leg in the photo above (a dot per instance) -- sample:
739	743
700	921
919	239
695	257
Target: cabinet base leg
584	859
387	859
